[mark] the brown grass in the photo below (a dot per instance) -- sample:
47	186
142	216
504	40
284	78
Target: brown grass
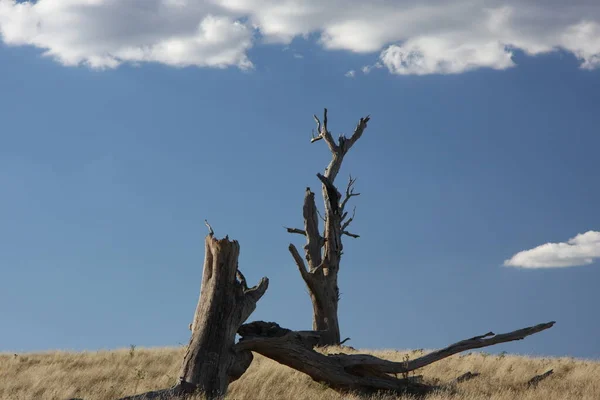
107	375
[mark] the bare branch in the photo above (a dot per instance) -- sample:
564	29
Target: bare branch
296	230
256	292
349	192
324	133
464	345
314	138
352	235
210	229
299	261
358	131
344	341
347	223
318	121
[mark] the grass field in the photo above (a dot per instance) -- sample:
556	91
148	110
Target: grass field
111	374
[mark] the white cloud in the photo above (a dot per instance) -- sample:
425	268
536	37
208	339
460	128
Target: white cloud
106	33
410	36
440	55
583	249
350	74
367	68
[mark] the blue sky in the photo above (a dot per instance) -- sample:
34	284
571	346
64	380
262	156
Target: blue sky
107	172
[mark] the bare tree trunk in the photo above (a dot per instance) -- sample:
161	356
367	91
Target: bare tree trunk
323	253
211	362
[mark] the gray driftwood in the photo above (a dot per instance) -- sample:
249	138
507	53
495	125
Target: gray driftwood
211	362
323	252
355	372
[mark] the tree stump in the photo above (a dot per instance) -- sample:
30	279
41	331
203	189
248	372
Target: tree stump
211	362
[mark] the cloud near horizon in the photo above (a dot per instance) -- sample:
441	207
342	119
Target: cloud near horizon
583	249
410	37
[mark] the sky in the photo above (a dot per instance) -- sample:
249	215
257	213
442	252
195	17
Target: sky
125	124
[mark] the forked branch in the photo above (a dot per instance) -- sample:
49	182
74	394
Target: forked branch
349	193
355	372
323	133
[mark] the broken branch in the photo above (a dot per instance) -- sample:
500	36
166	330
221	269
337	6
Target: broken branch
358	131
347	223
299	261
536	379
210	229
296	230
352	235
464	345
349	372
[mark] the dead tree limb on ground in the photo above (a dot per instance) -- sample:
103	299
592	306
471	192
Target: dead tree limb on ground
533	382
211	362
323	253
355	372
467	376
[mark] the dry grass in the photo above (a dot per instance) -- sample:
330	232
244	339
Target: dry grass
112	374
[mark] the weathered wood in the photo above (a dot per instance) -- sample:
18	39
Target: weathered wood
225	303
211	362
355	372
295	349
538	378
467	376
323	253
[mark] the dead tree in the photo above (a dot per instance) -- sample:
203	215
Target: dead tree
323	253
211	362
357	372
213	359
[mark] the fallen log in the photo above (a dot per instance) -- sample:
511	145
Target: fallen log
356	372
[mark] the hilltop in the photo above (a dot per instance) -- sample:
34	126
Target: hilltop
107	375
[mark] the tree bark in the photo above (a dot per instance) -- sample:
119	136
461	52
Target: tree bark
323	253
356	372
211	362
